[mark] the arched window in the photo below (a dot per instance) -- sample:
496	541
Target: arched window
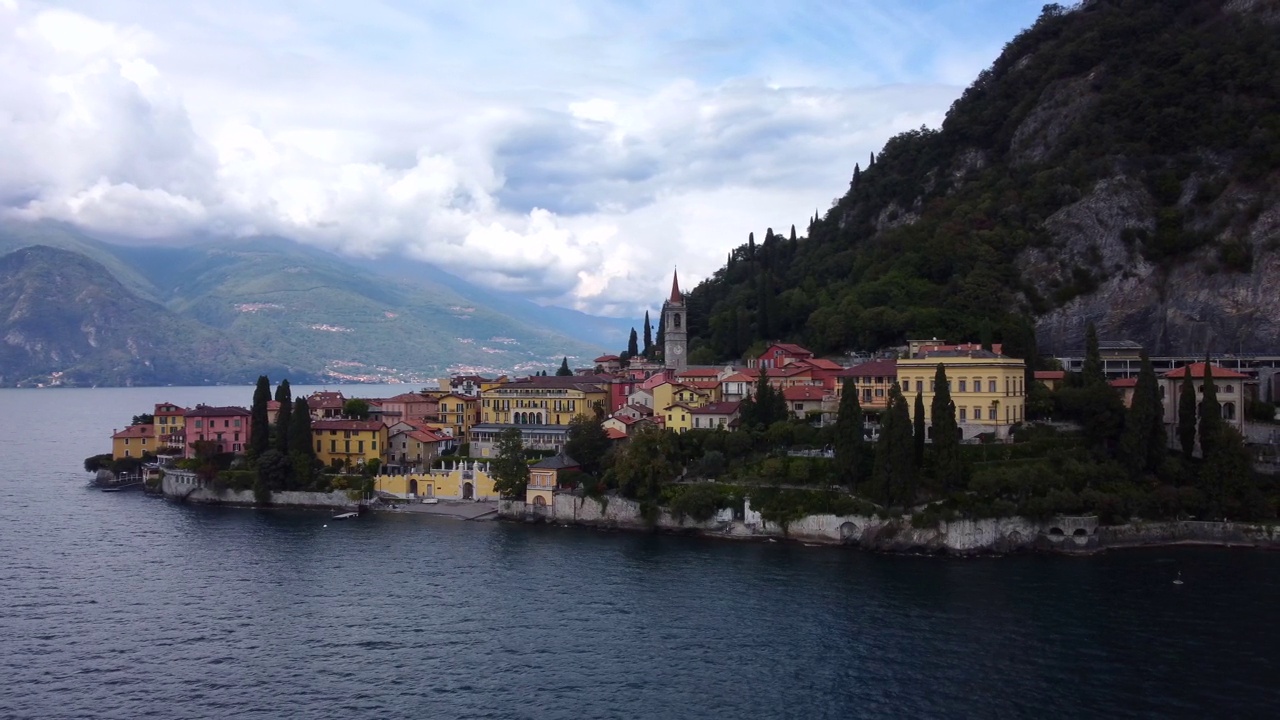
1228	411
1230	389
676	320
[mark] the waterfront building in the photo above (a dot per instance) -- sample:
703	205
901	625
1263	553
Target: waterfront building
133	441
1233	390
226	427
460	479
410	447
987	388
342	442
458	412
484	437
544	478
170	422
544	400
675	329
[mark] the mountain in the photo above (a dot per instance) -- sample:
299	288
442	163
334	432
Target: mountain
1118	163
67	320
310	313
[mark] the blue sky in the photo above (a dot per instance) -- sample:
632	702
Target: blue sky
573	151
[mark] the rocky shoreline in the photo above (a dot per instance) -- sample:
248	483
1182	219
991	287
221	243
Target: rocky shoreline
995	536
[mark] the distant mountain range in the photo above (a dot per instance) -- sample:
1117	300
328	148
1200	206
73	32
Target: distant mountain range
78	311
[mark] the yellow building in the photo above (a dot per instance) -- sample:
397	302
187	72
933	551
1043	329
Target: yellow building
549	400
458	413
544	477
349	442
679	417
987	389
458	480
133	441
667	394
170	423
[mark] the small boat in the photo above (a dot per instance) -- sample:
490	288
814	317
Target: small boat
1178	580
347	516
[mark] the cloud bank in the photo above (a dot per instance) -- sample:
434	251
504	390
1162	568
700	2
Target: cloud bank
574	152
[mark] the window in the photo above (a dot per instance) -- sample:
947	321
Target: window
962	413
360	447
799	406
237	422
199	423
991	386
977	413
963	388
333	446
373	445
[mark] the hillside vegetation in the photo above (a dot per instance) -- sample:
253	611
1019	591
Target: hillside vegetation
1116	164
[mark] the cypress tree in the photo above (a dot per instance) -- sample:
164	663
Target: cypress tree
894	474
259	427
857	174
302	452
946	435
648	335
659	343
564	370
1187	415
1210	413
848	436
633	348
918	429
1143	443
1092	371
751	245
284	396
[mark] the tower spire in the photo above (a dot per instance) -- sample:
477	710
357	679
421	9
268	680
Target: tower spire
676	296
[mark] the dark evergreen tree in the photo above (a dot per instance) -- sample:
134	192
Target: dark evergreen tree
949	465
853	184
509	470
1142	446
751	245
1092	371
564	370
259	427
284	416
648	335
1187	415
894	476
918	429
1210	412
660	342
849	440
633	345
587	443
302	453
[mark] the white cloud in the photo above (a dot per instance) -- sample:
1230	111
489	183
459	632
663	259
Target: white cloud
575	153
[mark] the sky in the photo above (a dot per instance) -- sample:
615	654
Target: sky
574	151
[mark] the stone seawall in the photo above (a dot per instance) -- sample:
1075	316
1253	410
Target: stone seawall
186	487
962	537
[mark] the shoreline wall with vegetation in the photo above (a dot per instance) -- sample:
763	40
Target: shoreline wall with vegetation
186	487
897	534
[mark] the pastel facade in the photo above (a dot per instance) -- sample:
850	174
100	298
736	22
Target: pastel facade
458	412
804	401
544	478
458	480
226	427
872	381
349	442
547	400
133	441
1231	388
717	415
170	421
987	389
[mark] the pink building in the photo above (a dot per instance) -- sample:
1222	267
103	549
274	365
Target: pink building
226	427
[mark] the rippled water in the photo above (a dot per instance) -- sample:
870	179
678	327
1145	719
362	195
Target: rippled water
118	606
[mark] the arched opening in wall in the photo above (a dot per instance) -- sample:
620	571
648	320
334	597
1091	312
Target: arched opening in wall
1055	532
848	532
413	487
468	491
1228	411
675	320
537	419
1081	532
540	501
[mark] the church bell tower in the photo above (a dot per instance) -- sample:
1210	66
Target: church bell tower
675	330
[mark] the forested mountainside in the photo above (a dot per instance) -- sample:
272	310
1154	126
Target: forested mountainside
1119	163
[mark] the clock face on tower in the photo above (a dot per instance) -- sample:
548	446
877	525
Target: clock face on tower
677	349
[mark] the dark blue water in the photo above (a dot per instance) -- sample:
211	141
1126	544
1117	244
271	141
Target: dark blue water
118	606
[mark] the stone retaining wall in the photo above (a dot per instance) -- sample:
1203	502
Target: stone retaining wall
184	486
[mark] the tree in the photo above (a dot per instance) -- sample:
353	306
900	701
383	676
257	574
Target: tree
587	443
284	416
143	419
1210	413
648	463
509	469
918	429
259	428
1092	370
648	335
302	454
1143	443
564	370
1187	415
274	470
356	409
659	342
849	444
633	347
1226	476
949	465
894	476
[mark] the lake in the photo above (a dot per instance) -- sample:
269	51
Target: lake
122	606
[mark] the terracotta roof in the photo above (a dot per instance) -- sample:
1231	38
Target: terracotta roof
875	368
642	409
405	397
136	431
699	373
803	392
1051	374
606	358
719	408
676	296
614	433
822	364
626	419
207	411
739	377
789	348
1124	382
1197	371
427	436
703	384
273	404
340	424
325	399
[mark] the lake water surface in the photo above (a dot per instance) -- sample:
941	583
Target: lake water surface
120	606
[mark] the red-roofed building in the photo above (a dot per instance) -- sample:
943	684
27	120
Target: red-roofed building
349	442
325	404
779	355
872	381
409	407
226	427
1233	390
803	400
608	363
1125	386
722	415
614	434
133	441
170	421
1051	379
